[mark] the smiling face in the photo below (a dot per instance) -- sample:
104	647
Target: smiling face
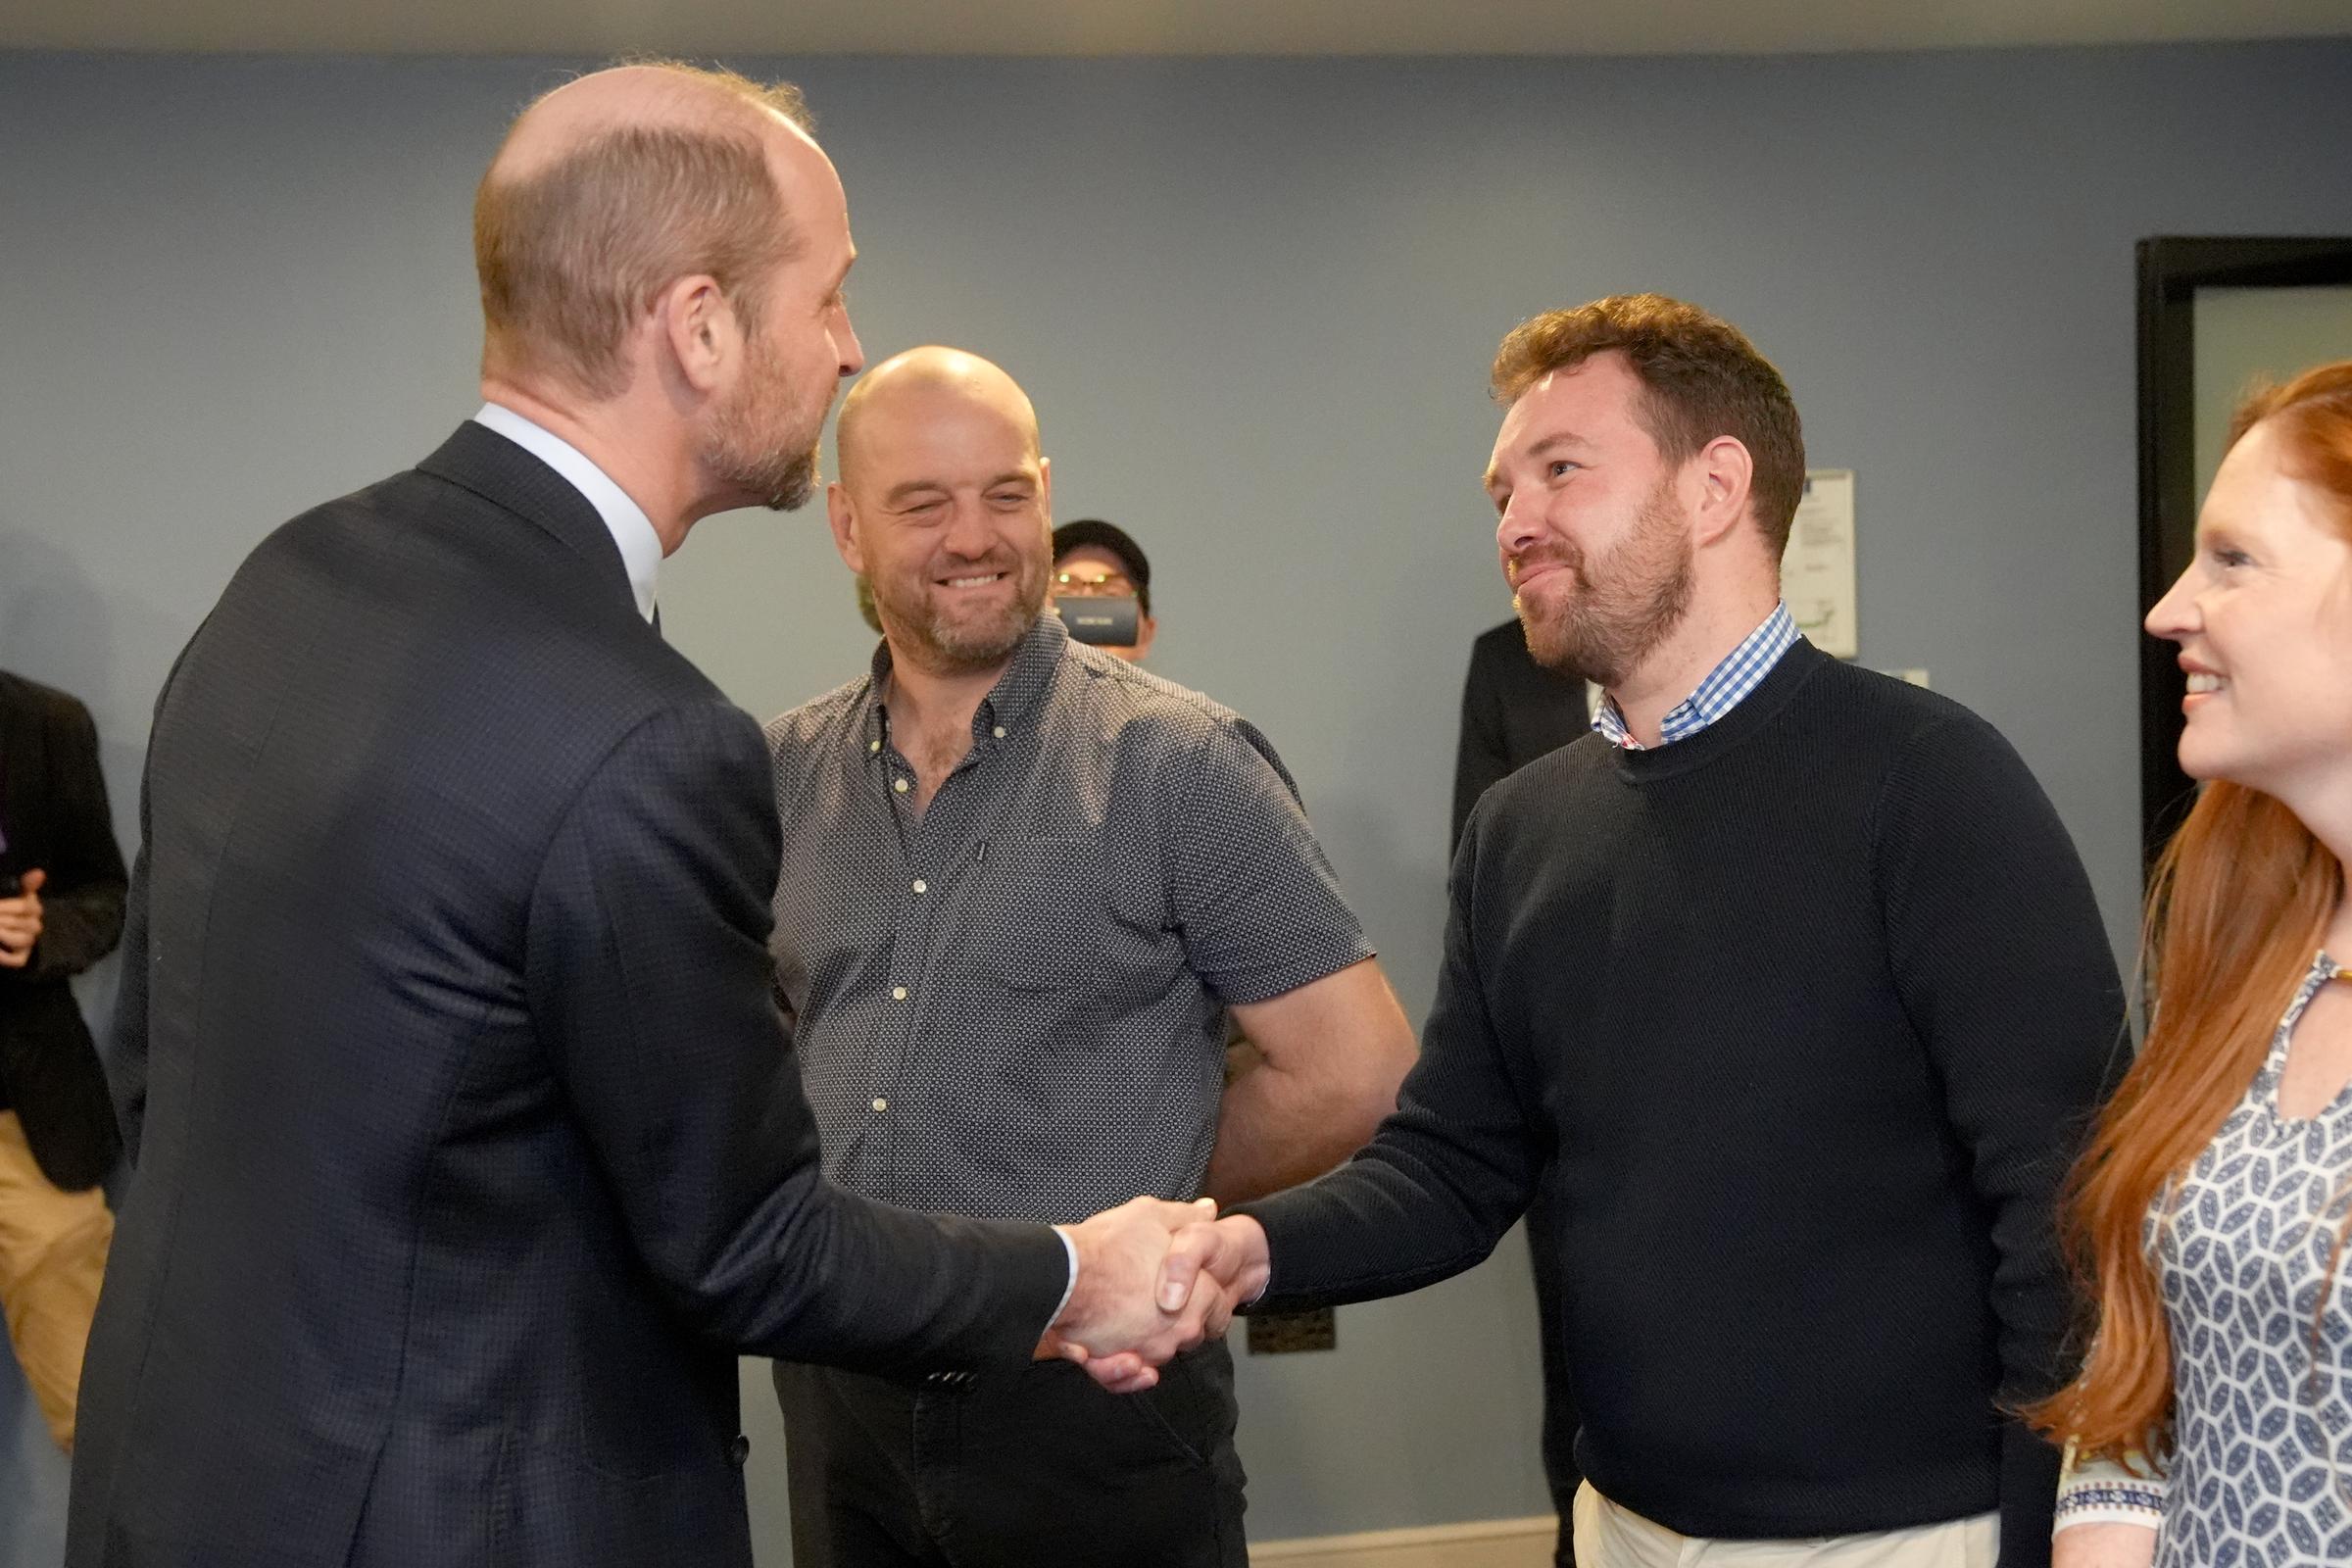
944	506
2264	619
1594	537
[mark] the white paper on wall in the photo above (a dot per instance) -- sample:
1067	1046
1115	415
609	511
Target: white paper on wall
1817	574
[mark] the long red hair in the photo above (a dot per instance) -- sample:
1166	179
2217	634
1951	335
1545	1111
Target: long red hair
2236	908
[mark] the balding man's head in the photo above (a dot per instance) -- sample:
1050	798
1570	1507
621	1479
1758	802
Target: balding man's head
615	186
945	506
918	384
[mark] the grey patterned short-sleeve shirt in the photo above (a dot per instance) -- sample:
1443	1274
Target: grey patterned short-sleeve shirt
1012	1005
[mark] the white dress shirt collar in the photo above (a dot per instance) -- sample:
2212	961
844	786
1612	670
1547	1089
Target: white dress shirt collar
633	530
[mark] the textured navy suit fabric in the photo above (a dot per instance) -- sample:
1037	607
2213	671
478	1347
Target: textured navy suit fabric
467	1152
54	819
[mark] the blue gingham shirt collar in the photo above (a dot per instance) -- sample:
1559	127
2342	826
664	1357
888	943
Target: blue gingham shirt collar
1727	685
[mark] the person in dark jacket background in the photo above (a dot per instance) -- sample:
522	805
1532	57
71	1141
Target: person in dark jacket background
61	911
1514	711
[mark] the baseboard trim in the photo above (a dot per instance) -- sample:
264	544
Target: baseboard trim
1479	1543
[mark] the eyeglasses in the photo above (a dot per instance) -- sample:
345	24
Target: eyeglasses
1109	585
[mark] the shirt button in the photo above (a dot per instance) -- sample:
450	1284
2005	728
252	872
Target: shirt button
998	732
898	784
921	886
897	993
873	746
881	1104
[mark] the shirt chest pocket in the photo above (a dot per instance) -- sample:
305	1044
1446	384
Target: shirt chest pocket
1038	912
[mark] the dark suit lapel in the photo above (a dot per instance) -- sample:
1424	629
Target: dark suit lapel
480	459
20	758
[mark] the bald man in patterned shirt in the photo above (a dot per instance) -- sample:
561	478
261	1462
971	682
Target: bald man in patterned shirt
1024	884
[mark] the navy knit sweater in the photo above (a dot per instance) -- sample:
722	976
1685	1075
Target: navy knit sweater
1800	1022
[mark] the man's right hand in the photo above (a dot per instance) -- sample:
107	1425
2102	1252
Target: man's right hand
2103	1546
1121	1321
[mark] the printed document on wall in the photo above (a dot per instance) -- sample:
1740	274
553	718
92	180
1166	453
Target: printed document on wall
1817	574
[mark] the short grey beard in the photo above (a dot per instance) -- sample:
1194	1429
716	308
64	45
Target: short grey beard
975	647
795	484
784	479
783	483
958	650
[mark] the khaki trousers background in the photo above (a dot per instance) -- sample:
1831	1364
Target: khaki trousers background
1610	1537
52	1258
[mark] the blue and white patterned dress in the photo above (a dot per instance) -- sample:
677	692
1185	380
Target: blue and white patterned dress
2261	1476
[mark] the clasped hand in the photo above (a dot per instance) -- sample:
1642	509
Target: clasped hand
1154	1280
20	921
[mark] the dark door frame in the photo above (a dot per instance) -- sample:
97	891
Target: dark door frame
2172	270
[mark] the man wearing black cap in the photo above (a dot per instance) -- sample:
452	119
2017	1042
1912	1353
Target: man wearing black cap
1094	558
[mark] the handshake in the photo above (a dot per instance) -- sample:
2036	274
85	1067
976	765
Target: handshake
1154	1278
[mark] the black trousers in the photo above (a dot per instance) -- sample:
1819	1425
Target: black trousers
1013	1469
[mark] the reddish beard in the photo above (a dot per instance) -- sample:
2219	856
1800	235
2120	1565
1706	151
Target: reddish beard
742	454
1623	605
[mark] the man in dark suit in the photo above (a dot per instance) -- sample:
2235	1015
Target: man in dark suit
61	911
467	1149
1514	711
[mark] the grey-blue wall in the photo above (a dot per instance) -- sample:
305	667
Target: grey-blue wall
1255	301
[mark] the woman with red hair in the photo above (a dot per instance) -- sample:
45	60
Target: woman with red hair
2212	1422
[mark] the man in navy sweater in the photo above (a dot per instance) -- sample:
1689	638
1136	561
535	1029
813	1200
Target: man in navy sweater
1842	1011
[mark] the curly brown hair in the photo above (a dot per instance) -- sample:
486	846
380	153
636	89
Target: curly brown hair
1702	378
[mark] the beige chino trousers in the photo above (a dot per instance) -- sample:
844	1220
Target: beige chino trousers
1610	1537
52	1258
